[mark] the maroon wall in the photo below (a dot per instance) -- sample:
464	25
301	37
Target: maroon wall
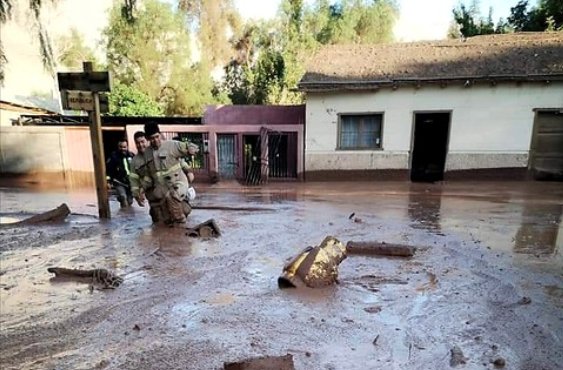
254	115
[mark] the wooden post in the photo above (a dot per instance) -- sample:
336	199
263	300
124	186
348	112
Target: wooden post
98	152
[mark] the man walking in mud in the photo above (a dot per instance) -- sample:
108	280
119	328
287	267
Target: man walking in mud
142	185
118	168
164	159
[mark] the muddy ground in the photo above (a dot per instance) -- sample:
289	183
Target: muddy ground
495	250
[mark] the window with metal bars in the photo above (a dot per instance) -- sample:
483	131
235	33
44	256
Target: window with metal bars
360	131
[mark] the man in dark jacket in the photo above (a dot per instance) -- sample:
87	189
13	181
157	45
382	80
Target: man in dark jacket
118	168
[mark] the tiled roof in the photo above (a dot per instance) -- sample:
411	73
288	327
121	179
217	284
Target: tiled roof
517	56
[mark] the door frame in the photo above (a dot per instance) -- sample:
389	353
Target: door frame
534	139
413	128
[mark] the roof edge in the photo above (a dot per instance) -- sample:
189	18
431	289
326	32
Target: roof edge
417	81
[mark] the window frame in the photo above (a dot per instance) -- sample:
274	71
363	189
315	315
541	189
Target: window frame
339	133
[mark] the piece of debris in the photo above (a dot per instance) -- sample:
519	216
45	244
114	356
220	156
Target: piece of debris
373	309
499	362
58	214
263	363
457	357
352	215
314	267
375	340
380	249
358	220
525	300
103	277
240	209
137	327
205	229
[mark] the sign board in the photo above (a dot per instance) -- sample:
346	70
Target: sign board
83	100
85	81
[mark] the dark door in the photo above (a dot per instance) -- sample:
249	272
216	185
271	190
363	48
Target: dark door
252	159
430	147
547	146
226	151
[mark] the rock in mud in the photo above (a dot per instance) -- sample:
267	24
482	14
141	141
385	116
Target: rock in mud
457	357
263	363
314	267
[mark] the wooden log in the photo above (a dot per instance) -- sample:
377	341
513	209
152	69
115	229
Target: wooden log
380	249
262	363
240	209
55	215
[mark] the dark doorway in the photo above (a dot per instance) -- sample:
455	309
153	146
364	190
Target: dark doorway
547	146
252	153
110	140
226	150
430	147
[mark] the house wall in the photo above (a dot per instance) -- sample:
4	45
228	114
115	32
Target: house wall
491	127
45	156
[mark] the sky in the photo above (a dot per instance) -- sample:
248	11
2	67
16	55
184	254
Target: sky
419	19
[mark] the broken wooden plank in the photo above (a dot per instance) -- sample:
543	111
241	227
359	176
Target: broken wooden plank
238	209
263	363
380	249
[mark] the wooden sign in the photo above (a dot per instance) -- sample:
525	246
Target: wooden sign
83	100
85	81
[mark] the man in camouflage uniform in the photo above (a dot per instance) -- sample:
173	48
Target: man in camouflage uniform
164	159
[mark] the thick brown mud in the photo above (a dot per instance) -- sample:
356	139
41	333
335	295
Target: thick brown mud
487	278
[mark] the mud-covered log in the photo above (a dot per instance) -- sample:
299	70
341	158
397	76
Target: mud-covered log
261	363
380	249
236	209
58	214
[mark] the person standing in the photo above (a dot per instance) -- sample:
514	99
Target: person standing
118	168
142	184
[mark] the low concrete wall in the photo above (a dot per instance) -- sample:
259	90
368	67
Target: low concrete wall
465	160
356	160
45	156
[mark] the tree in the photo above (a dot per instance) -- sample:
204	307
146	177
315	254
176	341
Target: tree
45	47
471	23
210	21
127	101
71	51
270	57
547	15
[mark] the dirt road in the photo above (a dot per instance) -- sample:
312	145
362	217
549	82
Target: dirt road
489	281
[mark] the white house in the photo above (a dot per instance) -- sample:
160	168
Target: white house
489	106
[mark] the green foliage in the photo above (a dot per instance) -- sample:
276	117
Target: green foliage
128	101
72	51
470	22
546	16
152	54
270	57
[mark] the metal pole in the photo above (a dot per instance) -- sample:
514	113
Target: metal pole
98	153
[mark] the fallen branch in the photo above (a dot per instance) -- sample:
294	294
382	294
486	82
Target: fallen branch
380	249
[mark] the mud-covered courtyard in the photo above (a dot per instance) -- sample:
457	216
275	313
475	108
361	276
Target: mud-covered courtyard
486	281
